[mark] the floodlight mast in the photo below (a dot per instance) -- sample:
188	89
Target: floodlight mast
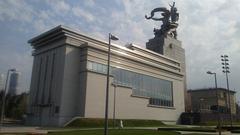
225	67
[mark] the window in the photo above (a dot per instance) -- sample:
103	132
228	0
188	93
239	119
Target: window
159	90
90	65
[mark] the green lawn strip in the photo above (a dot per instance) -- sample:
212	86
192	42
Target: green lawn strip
214	123
191	129
89	122
116	132
235	131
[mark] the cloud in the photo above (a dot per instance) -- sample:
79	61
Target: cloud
59	6
11	10
208	30
79	12
39	25
89	3
129	24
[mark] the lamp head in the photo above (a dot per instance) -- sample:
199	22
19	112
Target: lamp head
12	70
209	72
224	56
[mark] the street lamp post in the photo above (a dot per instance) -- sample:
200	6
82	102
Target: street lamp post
110	37
215	77
114	105
4	96
225	68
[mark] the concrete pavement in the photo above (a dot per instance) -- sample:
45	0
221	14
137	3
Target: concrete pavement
22	129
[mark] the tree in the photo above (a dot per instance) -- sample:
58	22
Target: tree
15	106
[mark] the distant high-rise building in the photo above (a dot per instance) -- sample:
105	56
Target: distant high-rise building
13	83
1	82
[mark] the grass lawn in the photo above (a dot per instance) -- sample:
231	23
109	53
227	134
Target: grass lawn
91	122
116	132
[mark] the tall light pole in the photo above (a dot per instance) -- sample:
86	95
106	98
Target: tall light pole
4	96
114	104
110	37
216	87
225	67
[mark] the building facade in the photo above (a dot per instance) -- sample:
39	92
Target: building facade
206	100
14	83
69	80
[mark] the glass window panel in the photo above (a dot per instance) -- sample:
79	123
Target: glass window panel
90	66
94	66
104	69
99	68
158	102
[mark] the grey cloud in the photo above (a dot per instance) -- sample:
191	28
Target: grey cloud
13	11
78	11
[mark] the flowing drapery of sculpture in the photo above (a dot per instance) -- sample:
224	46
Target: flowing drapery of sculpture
168	26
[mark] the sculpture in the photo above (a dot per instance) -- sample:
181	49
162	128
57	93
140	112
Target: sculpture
168	26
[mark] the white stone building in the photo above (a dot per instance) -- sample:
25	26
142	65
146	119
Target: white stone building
69	80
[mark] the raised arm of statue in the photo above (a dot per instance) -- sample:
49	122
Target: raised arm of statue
161	9
173	5
174	14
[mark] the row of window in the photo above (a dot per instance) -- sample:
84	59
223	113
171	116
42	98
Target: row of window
142	85
160	102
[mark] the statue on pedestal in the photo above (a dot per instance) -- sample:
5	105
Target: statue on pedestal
168	26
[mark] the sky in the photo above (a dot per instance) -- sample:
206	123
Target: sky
207	29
